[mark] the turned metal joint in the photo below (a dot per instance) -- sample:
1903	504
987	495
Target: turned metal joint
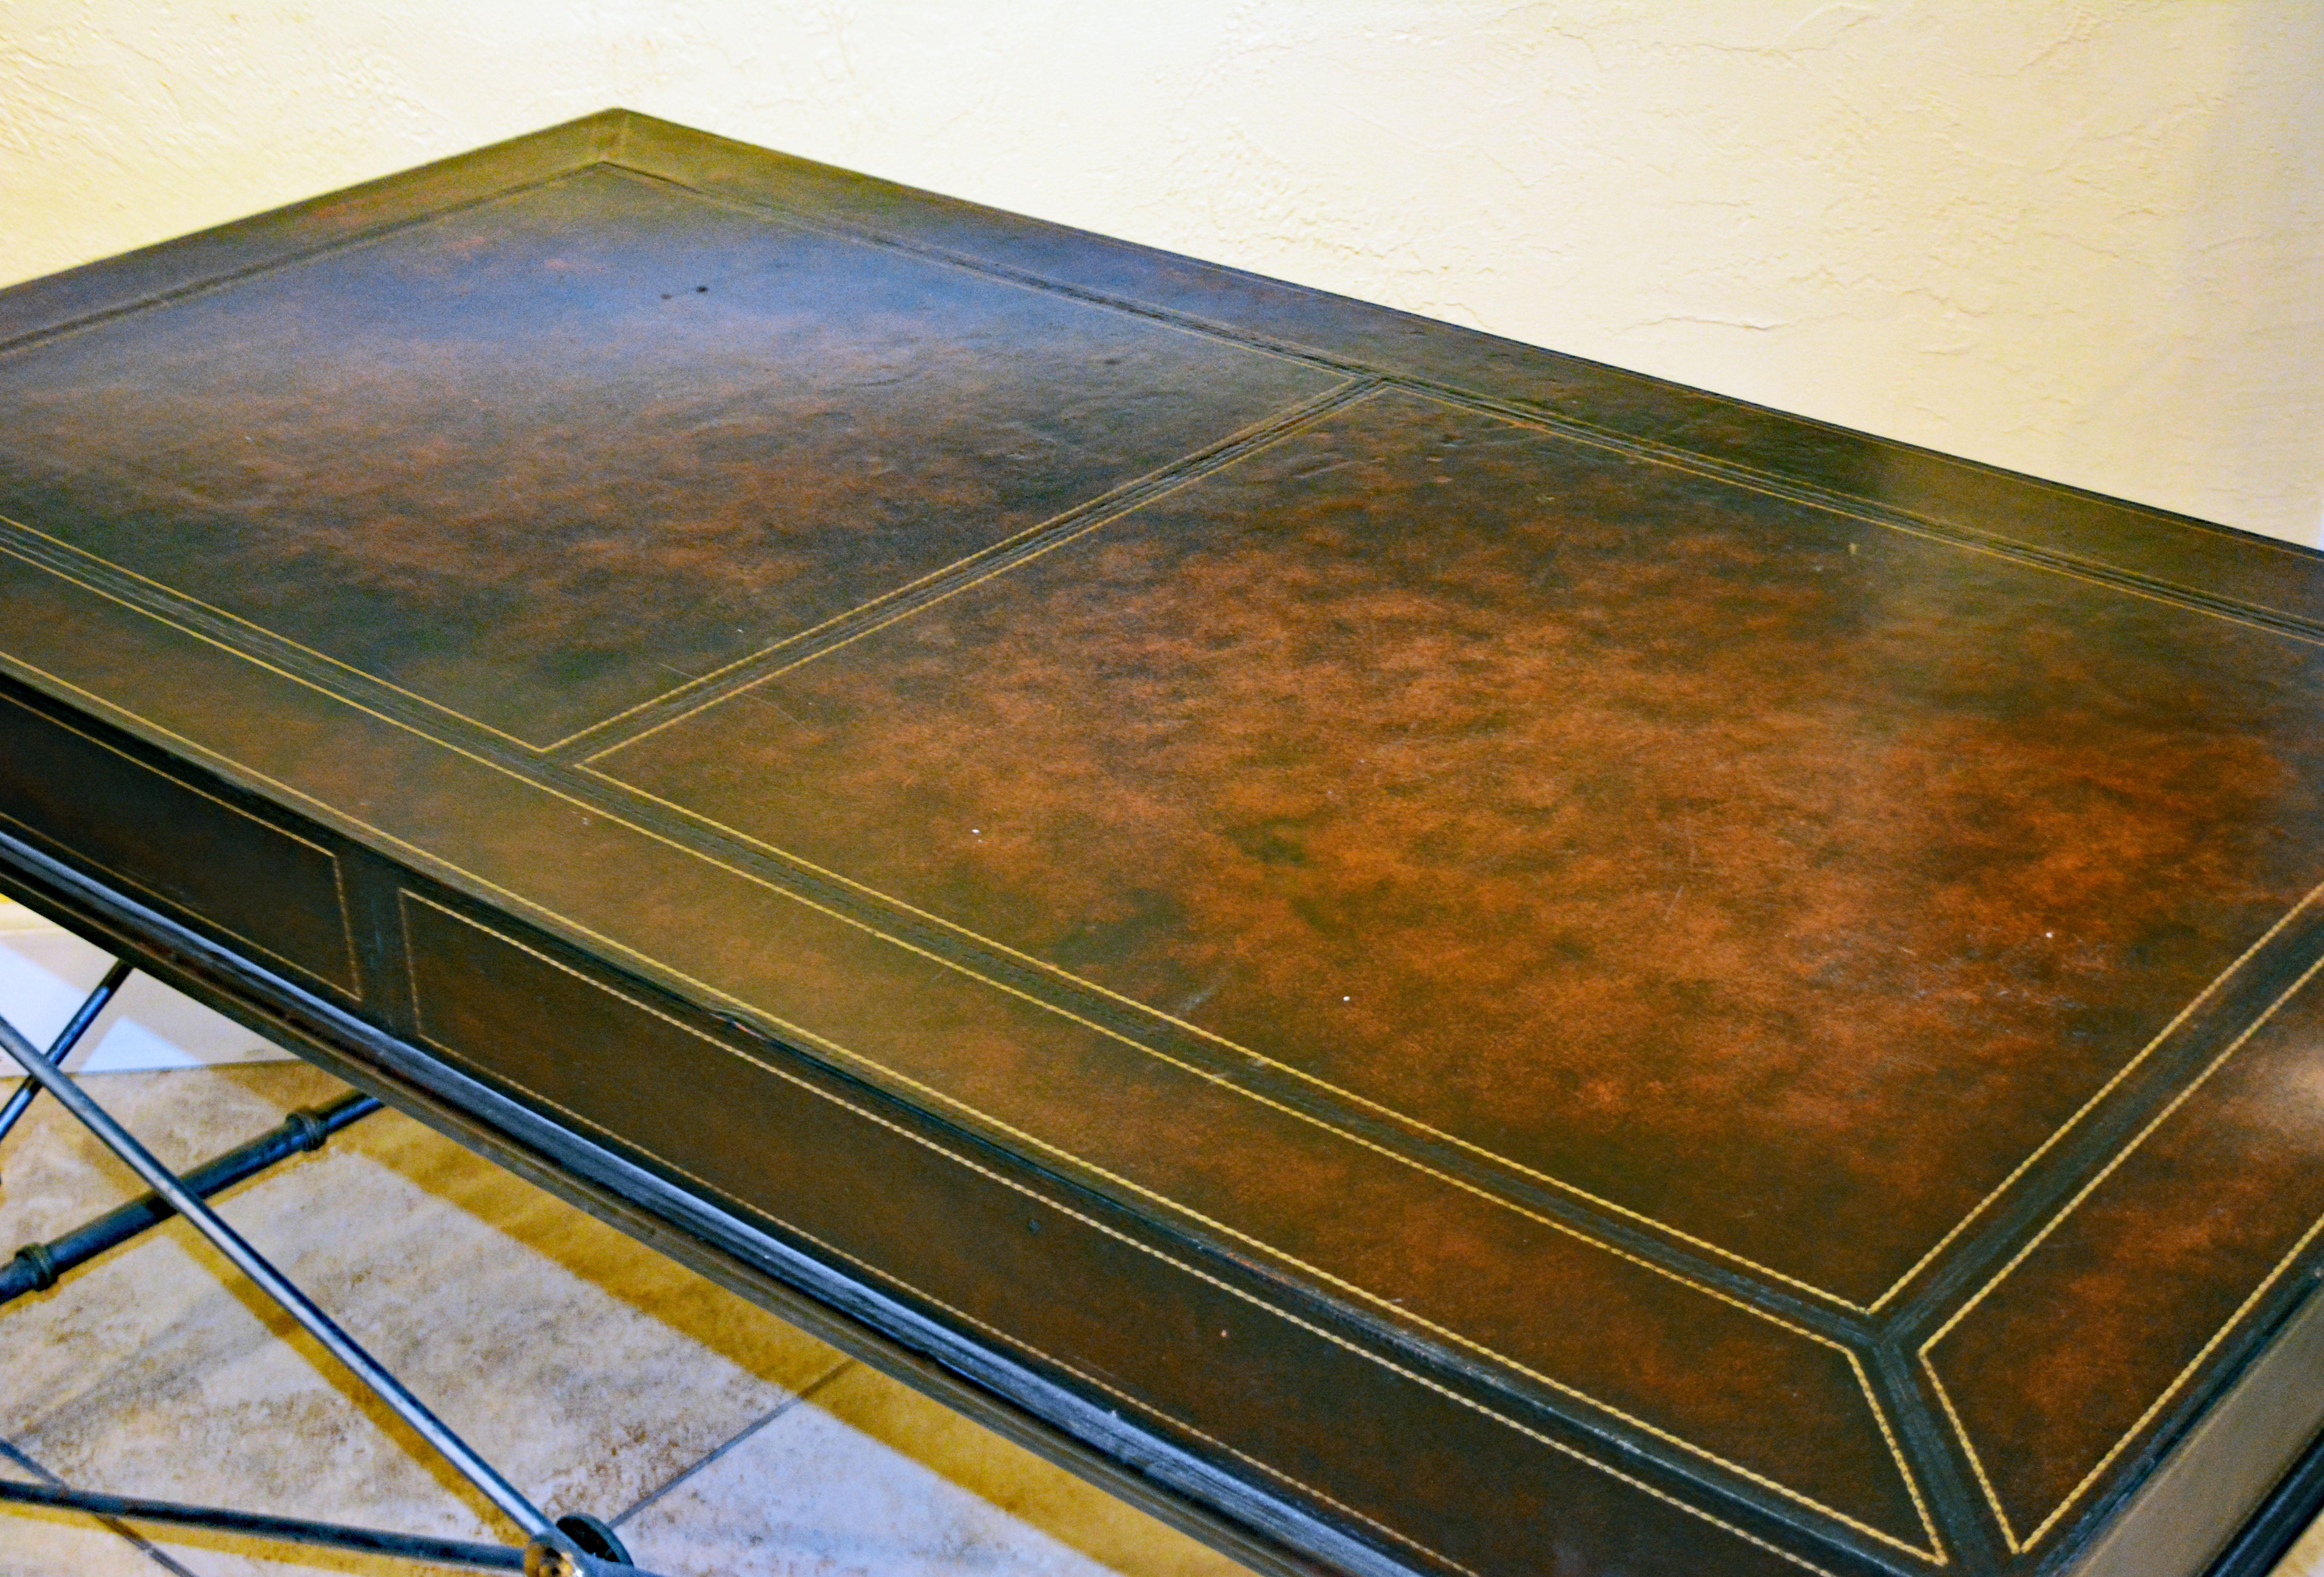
305	1130
587	1536
39	1268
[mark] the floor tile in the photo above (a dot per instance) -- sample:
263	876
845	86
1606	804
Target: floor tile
1014	1480
54	1174
42	1544
591	1369
46	972
15	917
867	1477
625	1271
36	1543
586	1368
2306	1558
151	1027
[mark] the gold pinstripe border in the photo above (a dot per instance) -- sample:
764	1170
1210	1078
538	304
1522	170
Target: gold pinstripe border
2017	1544
1618	445
1043	965
1881	1418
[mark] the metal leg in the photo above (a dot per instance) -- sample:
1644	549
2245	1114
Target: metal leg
551	1553
290	1529
67	1038
151	1551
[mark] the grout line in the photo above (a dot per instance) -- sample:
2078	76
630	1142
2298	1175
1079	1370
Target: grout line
746	1433
9	1450
829	1377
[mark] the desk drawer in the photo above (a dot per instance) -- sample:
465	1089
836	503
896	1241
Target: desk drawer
214	864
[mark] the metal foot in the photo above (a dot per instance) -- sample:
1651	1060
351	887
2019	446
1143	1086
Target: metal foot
595	1537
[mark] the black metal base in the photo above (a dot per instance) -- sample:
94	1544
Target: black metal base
574	1546
594	1537
285	1529
37	1267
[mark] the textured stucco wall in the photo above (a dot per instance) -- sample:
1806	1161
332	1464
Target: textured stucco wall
2077	239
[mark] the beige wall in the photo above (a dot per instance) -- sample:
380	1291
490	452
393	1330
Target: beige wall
2077	239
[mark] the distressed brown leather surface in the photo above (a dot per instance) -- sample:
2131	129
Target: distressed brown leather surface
1560	973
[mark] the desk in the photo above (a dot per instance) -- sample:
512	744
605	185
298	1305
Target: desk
1424	955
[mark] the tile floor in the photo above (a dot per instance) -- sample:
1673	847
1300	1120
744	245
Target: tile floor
597	1375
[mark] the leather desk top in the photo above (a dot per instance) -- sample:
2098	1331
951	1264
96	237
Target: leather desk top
1536	970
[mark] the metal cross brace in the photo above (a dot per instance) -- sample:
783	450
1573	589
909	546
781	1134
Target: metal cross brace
555	1549
67	1038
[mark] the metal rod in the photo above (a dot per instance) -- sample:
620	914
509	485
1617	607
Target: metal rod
157	1556
37	1267
290	1529
67	1038
277	1286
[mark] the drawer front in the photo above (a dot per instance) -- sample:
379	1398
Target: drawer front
213	863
